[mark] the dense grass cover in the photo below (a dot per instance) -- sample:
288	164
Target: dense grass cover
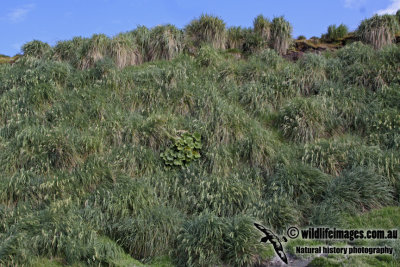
336	32
281	34
378	30
85	138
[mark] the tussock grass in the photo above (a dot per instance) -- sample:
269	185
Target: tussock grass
336	32
355	53
353	106
305	119
124	52
36	49
209	240
301	184
65	235
93	50
235	38
378	30
385	128
356	190
262	28
285	143
152	232
313	73
39	149
141	36
207	29
70	50
342	153
281	35
166	42
208	56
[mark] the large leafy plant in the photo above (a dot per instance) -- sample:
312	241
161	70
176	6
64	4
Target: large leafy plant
185	148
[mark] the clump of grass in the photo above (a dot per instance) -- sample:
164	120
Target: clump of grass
70	50
300	183
102	68
313	73
253	42
385	128
64	234
124	52
242	247
398	15
36	49
304	119
123	199
152	232
315	40
384	218
356	190
356	52
141	36
388	59
223	196
211	240
208	56
281	34
378	30
165	42
301	37
235	38
201	241
277	212
41	150
390	97
207	29
130	213
333	156
93	50
262	28
336	32
353	105
271	58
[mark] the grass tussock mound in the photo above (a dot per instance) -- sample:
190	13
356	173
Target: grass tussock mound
207	29
281	34
378	30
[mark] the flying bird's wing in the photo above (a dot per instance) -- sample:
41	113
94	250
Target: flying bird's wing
268	233
270	236
279	249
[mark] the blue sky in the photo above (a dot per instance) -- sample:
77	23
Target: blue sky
53	20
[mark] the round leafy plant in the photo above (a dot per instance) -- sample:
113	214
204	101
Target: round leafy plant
185	148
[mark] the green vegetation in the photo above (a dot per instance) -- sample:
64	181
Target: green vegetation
184	150
398	15
165	42
36	48
88	127
262	28
378	30
336	32
207	29
235	38
281	34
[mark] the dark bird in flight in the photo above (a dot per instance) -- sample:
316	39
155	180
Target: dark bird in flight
275	241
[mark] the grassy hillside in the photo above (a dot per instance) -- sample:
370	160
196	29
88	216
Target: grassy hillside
160	146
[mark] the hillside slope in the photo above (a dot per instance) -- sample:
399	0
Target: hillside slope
83	153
